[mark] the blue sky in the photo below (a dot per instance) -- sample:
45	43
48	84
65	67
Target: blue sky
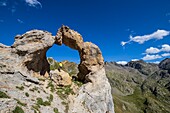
123	29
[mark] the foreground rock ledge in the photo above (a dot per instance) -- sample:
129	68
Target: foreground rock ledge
28	57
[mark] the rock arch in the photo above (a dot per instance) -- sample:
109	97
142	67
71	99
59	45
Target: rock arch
90	55
27	56
33	45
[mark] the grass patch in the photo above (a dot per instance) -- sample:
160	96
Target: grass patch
55	110
50	99
34	89
78	83
36	108
137	99
84	103
51	86
18	110
20	103
20	87
26	94
55	66
118	105
64	91
3	95
41	102
66	106
44	103
41	79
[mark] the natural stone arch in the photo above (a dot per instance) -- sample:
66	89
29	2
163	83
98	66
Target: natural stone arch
33	45
27	56
90	55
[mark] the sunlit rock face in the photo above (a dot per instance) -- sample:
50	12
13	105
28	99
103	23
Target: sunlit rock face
27	56
32	47
95	96
91	58
28	53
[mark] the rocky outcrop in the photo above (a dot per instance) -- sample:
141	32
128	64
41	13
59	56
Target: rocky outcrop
165	64
94	96
143	67
61	77
91	58
31	47
28	53
27	57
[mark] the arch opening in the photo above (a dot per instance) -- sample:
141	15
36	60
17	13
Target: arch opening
62	53
65	55
91	58
38	44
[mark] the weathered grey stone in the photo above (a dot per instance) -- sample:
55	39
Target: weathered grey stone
25	61
94	97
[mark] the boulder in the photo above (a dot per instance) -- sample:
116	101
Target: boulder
61	77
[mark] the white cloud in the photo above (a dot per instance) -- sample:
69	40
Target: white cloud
33	3
165	48
151	57
156	62
152	50
122	62
20	21
123	43
165	54
134	59
159	34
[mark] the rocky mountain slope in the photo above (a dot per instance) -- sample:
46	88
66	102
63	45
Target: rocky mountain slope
140	87
30	83
137	87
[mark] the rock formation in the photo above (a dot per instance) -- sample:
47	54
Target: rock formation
27	58
94	96
91	58
165	64
31	47
61	78
143	67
